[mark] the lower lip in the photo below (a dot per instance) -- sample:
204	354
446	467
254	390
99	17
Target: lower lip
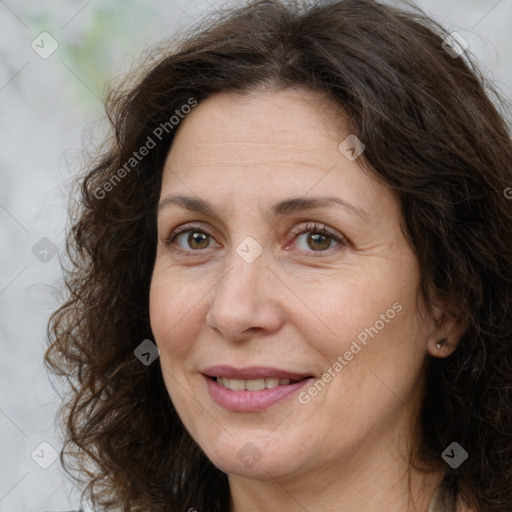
251	400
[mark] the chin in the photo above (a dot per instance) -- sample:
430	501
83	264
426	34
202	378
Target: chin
257	459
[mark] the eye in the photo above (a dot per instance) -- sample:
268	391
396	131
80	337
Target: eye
197	238
319	238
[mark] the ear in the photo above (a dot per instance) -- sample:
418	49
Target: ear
447	332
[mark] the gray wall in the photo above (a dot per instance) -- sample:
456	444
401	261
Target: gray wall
46	104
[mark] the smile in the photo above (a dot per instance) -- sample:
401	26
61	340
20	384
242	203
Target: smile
252	389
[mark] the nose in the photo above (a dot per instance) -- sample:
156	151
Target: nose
246	300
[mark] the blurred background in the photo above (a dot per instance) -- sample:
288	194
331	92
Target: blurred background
56	58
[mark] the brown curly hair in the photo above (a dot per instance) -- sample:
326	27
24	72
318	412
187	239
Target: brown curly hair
435	131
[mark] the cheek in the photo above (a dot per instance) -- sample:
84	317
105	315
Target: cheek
344	307
172	308
374	306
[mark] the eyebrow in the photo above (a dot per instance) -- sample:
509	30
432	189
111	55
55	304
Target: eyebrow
280	209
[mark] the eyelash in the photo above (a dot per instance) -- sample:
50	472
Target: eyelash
314	227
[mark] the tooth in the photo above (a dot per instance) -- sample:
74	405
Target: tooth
271	382
255	384
236	384
252	384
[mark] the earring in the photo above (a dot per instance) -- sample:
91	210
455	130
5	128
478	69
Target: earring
440	343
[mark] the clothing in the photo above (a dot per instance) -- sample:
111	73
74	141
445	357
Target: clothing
442	501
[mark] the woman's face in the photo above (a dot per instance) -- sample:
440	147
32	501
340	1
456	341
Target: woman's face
272	281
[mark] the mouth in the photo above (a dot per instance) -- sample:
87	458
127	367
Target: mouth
252	389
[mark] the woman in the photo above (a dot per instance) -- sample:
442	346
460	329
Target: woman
292	274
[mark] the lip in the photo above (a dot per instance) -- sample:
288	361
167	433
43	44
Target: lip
252	372
252	401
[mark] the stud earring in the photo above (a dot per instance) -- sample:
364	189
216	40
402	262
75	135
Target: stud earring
440	343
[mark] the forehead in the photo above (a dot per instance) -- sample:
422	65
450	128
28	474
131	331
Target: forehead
295	116
280	143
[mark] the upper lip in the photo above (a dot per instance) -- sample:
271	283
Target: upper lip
252	372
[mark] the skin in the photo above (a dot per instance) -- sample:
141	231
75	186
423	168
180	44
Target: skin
298	306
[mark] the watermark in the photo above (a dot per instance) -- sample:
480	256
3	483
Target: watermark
454	455
342	361
44	455
44	250
143	151
508	192
352	147
44	45
249	249
455	45
249	455
146	352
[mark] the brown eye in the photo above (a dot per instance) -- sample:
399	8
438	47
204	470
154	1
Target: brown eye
319	241
197	240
